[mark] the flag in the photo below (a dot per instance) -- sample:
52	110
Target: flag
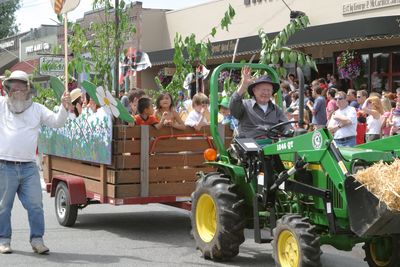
64	6
131	62
137	60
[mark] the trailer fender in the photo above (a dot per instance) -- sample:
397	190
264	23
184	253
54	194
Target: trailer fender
76	188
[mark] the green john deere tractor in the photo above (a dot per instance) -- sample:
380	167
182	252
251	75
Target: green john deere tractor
297	192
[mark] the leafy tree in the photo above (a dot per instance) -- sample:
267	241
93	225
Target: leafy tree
7	17
274	50
99	40
189	53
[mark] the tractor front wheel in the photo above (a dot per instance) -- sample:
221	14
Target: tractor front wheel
383	251
217	217
295	244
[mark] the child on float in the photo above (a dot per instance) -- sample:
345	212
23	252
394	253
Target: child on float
227	118
165	108
200	115
146	114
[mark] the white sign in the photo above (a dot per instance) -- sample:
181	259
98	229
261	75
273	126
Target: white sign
51	66
37	47
7	44
361	6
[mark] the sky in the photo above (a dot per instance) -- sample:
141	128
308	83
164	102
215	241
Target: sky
33	13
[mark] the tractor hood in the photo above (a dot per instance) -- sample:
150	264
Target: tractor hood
369	155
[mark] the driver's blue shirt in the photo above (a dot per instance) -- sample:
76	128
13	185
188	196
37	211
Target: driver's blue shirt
253	121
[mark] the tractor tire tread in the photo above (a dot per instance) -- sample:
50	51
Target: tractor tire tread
230	212
310	251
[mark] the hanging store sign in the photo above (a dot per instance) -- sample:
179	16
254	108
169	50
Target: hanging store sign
51	66
223	48
37	48
249	2
7	44
362	6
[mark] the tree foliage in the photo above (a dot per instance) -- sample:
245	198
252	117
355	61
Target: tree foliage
274	50
99	41
188	53
8	26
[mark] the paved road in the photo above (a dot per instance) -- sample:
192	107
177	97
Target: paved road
148	235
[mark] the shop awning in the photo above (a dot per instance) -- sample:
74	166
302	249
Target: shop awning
336	33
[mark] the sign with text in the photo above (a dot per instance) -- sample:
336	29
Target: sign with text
51	66
223	48
366	5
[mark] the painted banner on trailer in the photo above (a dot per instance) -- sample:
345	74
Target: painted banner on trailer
87	138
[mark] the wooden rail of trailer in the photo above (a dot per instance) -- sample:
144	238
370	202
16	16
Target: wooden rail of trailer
148	166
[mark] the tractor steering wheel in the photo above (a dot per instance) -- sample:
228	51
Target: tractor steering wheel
275	132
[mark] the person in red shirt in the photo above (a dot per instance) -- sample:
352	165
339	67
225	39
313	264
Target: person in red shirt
361	117
1	89
146	114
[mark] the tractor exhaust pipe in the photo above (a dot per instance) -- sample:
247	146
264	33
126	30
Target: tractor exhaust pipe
300	76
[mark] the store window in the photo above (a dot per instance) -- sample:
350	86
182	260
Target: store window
380	72
395	70
365	71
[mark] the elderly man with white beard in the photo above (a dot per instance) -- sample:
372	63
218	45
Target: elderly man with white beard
20	121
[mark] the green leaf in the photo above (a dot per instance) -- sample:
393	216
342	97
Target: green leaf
232	12
292	28
293	57
274	58
282	71
285	56
300	59
57	86
213	31
267	58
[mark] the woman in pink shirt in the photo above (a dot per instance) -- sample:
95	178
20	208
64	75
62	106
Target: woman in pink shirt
331	105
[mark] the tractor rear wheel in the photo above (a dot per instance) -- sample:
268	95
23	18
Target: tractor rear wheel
383	251
295	244
217	215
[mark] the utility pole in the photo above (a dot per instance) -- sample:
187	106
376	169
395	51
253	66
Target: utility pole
117	46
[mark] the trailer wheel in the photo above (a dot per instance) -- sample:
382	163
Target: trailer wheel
295	244
218	218
65	212
383	251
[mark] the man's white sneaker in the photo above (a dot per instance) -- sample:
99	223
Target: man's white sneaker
40	248
5	249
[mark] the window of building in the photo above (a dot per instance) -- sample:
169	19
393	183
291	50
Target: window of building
380	70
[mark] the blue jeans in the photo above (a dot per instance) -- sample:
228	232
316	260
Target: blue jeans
22	179
350	142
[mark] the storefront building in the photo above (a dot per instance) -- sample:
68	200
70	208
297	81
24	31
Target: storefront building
37	43
9	52
370	28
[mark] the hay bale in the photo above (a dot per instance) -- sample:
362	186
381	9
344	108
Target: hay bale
383	180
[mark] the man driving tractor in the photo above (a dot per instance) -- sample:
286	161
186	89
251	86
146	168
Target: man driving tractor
258	114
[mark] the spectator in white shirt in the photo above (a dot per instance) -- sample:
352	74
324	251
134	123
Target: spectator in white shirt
343	122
